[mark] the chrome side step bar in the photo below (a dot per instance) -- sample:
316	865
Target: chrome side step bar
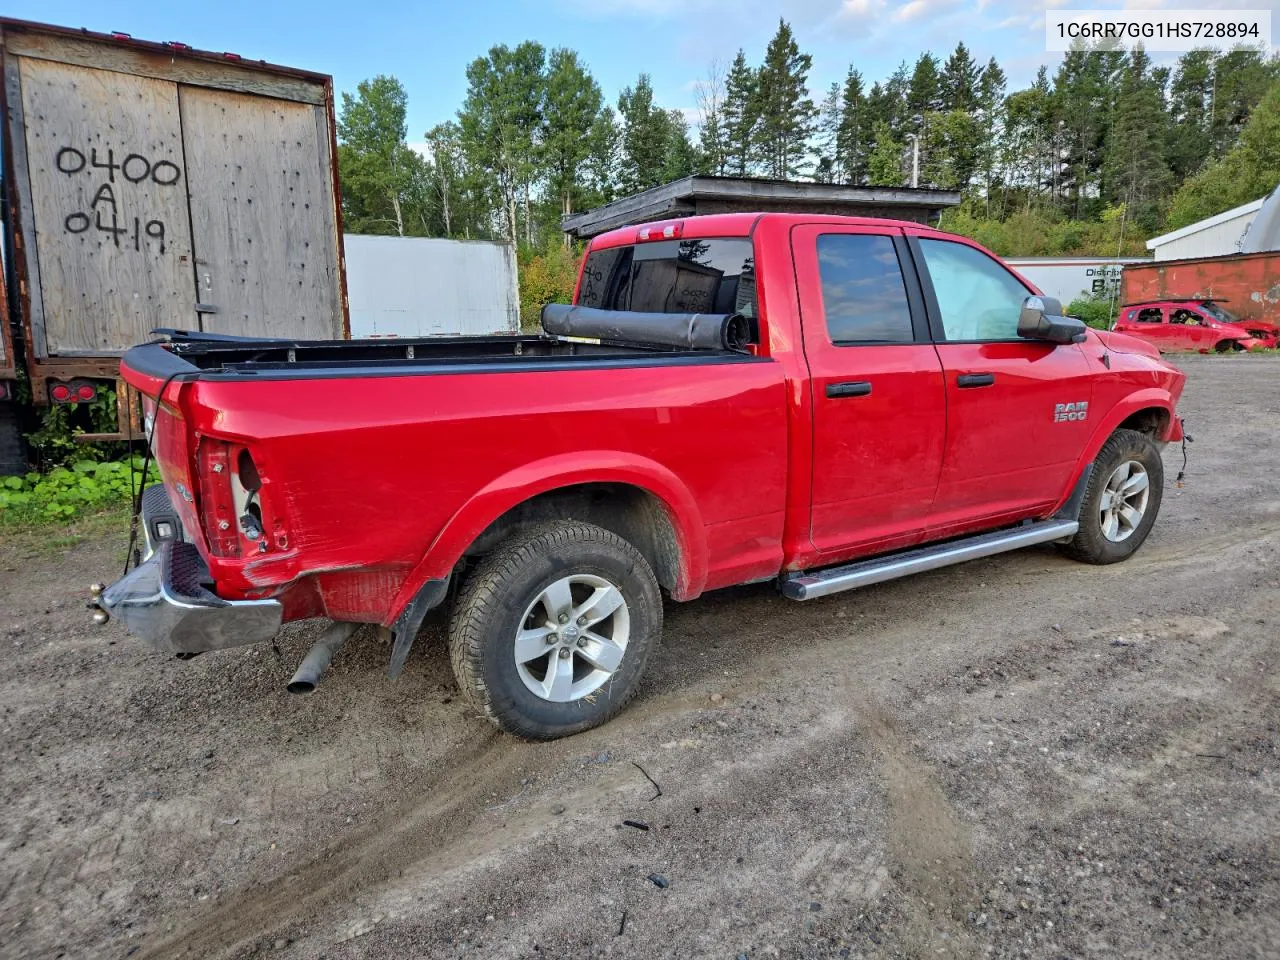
819	583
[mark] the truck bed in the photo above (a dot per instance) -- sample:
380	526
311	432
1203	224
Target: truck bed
196	356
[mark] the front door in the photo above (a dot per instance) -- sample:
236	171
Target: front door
1017	410
877	390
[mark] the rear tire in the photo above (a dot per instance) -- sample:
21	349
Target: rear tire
1121	501
574	590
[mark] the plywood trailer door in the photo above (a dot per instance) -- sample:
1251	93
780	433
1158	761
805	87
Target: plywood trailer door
104	162
262	215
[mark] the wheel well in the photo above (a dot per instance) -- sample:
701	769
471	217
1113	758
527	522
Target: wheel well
1153	421
634	514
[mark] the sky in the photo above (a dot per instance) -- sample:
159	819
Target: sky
428	44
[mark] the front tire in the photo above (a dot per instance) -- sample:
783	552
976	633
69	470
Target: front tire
1121	501
551	632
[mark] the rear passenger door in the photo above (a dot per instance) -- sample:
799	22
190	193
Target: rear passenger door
1008	454
878	398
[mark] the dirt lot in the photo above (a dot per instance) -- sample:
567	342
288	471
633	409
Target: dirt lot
1021	757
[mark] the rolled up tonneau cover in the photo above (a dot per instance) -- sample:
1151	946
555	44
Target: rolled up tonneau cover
692	331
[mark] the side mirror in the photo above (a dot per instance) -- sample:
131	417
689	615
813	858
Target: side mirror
1041	319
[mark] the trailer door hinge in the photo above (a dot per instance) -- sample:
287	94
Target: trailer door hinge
206	308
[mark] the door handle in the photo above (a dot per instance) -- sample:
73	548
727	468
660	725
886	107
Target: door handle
852	388
975	379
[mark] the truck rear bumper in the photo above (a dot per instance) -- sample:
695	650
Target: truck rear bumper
165	603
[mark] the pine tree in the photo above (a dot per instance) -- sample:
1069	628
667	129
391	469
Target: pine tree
1135	170
991	87
892	104
829	168
741	116
603	148
1189	100
1251	169
1240	79
786	112
884	165
680	158
645	133
959	81
1081	103
853	138
924	93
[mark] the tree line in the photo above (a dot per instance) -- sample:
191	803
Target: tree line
1104	141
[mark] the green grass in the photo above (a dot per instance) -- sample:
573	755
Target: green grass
23	538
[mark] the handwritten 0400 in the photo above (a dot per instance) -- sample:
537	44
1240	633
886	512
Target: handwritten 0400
104	209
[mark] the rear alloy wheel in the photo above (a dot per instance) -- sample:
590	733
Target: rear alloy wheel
1121	501
551	632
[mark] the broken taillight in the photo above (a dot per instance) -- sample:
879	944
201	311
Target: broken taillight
217	505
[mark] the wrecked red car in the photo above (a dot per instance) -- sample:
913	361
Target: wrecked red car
1201	325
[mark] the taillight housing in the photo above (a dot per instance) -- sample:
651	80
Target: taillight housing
236	520
72	391
217	506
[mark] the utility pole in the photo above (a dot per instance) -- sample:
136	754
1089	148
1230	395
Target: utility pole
918	120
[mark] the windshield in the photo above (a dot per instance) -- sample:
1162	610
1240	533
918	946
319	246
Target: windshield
1221	314
673	276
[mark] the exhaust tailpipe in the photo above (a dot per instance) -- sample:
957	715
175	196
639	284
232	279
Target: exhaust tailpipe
317	659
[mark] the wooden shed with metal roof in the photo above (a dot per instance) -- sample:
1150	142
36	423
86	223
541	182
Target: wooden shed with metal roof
696	195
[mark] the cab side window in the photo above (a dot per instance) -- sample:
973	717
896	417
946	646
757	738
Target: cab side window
1185	316
978	298
864	296
1149	315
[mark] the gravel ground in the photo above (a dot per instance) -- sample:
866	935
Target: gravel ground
1020	757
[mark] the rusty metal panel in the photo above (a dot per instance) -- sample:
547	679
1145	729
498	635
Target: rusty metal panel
108	203
262	214
1249	282
423	287
6	341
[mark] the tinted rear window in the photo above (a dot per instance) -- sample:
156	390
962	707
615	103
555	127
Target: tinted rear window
673	276
863	293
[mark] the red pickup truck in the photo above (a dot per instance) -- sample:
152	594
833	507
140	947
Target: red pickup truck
823	402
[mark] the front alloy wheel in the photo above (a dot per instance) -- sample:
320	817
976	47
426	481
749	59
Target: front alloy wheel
1124	500
1121	500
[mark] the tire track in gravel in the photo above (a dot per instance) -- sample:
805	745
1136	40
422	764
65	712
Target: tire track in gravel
926	840
409	834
